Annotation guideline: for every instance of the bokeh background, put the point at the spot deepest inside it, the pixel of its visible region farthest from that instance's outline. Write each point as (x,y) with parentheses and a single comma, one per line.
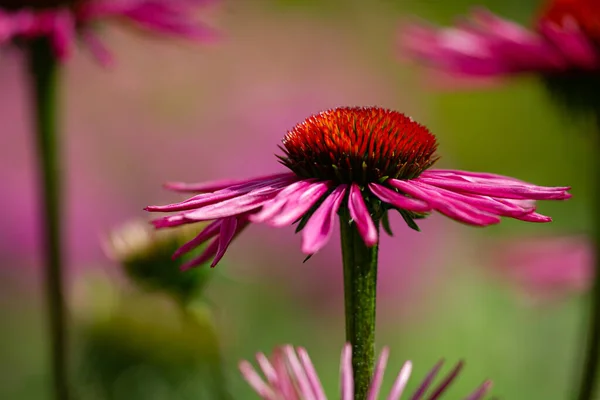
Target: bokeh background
(171,111)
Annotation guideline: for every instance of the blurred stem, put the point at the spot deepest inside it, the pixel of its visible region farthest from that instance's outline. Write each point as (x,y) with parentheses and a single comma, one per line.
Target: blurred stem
(592,347)
(43,70)
(205,323)
(360,289)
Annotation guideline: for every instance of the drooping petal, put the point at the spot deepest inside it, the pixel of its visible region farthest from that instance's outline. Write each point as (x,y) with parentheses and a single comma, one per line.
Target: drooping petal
(298,204)
(361,216)
(204,199)
(207,254)
(226,234)
(398,200)
(513,191)
(319,227)
(205,187)
(210,231)
(449,207)
(271,208)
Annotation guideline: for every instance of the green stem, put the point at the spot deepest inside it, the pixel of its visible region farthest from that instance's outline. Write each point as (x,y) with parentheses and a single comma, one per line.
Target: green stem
(360,289)
(592,347)
(43,71)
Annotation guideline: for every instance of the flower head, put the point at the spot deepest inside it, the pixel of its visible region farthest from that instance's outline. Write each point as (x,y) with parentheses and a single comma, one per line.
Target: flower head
(563,47)
(290,375)
(145,256)
(366,160)
(62,21)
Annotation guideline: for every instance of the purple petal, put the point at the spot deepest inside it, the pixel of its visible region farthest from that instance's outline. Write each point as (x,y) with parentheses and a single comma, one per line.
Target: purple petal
(206,255)
(319,227)
(398,200)
(360,214)
(226,234)
(420,392)
(480,391)
(441,388)
(211,230)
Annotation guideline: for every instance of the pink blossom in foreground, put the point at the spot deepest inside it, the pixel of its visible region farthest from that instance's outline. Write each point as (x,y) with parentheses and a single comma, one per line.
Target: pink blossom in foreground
(290,375)
(566,39)
(546,268)
(363,160)
(63,22)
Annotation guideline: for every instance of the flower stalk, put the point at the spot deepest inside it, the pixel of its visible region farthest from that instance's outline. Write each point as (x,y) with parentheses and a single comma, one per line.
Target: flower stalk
(360,290)
(591,356)
(43,70)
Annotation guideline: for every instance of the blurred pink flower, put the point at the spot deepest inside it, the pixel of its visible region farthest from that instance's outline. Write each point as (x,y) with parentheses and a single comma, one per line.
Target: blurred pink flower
(546,268)
(290,375)
(63,21)
(370,160)
(565,40)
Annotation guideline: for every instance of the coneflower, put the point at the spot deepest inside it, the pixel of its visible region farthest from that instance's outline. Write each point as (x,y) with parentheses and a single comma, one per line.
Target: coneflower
(359,163)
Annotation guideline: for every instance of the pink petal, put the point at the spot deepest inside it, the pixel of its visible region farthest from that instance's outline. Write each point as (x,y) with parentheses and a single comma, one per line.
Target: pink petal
(206,255)
(271,208)
(361,216)
(346,373)
(378,374)
(513,191)
(298,204)
(302,382)
(213,186)
(211,230)
(319,227)
(401,381)
(255,381)
(398,200)
(456,210)
(226,234)
(312,375)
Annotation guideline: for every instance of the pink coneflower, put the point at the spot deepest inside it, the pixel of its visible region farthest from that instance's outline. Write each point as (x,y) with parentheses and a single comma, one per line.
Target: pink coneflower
(565,39)
(63,21)
(546,268)
(563,48)
(365,160)
(290,375)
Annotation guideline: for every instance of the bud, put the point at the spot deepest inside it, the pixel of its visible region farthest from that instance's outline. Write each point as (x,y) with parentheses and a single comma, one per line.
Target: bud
(141,345)
(146,257)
